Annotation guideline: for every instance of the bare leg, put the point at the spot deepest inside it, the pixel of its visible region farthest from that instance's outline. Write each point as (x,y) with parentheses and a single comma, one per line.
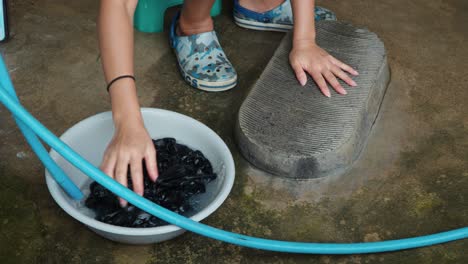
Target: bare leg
(260,6)
(202,61)
(195,17)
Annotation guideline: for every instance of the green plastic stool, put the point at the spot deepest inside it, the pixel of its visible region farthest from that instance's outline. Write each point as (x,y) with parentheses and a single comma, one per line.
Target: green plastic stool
(149,14)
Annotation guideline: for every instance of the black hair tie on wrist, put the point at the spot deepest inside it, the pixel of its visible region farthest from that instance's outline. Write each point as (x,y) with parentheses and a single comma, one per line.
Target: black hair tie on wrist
(118,78)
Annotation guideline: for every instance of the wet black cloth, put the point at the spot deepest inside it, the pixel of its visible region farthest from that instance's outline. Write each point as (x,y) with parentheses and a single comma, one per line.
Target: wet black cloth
(183,172)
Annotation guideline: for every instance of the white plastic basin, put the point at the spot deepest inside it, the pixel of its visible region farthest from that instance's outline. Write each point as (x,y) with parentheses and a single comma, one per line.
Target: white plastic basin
(90,137)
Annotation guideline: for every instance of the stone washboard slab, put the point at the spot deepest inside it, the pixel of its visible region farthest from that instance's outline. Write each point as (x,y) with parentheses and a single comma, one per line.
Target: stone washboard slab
(296,132)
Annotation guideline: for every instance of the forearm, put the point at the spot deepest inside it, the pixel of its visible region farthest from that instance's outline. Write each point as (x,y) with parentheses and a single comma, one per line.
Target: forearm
(115,26)
(304,21)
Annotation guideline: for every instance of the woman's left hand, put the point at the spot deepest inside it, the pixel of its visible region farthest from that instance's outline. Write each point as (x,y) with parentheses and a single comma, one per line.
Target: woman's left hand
(308,57)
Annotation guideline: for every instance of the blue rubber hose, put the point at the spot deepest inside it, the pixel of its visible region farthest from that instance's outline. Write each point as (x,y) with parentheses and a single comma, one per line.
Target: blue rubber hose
(266,244)
(57,173)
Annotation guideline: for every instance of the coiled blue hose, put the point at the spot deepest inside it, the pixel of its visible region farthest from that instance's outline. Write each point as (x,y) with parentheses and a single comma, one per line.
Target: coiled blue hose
(87,168)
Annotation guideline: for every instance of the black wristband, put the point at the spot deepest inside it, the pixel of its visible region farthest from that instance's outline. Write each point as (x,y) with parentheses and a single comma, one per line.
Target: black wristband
(118,78)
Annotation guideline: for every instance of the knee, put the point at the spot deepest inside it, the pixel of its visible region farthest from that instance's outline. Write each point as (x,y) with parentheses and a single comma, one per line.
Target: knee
(130,5)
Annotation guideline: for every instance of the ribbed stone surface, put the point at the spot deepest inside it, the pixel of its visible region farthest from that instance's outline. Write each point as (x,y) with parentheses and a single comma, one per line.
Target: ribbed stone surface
(295,131)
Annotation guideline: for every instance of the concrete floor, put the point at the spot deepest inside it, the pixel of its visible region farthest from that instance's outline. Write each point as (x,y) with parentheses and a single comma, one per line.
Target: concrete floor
(412,178)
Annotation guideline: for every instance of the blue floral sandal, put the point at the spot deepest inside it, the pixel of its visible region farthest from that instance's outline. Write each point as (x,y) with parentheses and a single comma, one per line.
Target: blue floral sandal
(277,19)
(202,61)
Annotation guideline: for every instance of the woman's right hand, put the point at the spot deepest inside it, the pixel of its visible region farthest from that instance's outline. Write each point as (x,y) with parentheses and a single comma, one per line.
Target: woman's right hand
(131,143)
(128,148)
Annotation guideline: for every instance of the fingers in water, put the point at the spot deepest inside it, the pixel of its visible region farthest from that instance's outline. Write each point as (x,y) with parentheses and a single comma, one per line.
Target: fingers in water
(151,165)
(121,176)
(108,165)
(136,169)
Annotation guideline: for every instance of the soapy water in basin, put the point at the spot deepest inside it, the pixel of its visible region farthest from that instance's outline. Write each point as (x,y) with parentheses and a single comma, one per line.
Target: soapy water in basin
(186,184)
(197,202)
